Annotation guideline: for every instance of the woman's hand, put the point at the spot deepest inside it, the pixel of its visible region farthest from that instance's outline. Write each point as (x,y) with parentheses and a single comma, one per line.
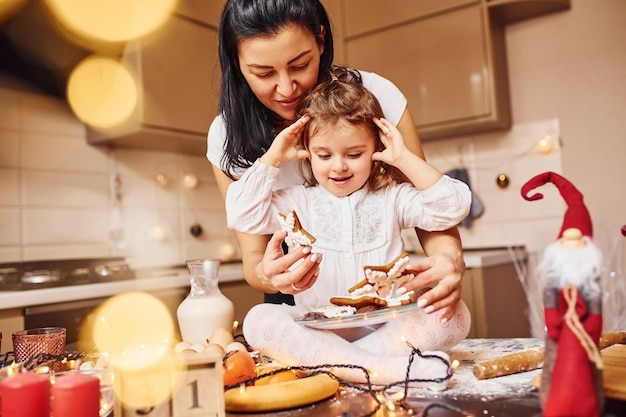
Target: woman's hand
(439,269)
(285,145)
(289,273)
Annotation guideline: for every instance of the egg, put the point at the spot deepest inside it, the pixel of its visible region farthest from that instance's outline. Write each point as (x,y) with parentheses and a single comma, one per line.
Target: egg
(214,347)
(222,337)
(236,346)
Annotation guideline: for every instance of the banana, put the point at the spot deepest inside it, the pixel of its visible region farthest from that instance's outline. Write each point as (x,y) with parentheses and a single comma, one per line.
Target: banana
(280,395)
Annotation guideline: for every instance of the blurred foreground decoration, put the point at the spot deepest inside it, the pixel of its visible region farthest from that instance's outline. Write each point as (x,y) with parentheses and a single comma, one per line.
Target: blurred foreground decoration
(91,23)
(570,271)
(102,92)
(8,8)
(136,333)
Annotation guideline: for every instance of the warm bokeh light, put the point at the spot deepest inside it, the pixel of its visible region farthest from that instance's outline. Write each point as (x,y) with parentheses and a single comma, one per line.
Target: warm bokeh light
(545,145)
(102,92)
(111,20)
(135,331)
(8,8)
(128,323)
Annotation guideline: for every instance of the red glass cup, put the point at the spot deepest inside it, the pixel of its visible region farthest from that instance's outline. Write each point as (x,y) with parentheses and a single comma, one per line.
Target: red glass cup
(30,342)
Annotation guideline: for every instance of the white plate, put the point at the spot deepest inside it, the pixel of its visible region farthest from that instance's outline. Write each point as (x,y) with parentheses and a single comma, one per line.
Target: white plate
(361,319)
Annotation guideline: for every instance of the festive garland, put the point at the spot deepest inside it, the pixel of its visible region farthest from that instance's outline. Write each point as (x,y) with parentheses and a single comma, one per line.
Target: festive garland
(44,359)
(368,387)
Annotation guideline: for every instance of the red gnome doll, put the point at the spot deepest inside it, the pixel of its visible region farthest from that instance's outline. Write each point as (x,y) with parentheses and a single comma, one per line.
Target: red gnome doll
(571,383)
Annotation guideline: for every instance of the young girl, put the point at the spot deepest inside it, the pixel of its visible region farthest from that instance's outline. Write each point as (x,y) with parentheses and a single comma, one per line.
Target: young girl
(355,209)
(271,53)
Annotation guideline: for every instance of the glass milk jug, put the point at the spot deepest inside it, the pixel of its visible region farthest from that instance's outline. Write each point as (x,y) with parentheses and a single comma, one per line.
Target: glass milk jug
(205,308)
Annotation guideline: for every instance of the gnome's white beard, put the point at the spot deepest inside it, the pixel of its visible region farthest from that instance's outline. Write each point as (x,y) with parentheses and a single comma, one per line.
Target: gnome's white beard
(577,266)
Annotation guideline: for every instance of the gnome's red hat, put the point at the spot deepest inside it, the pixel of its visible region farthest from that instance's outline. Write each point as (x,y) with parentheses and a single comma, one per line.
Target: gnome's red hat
(577,215)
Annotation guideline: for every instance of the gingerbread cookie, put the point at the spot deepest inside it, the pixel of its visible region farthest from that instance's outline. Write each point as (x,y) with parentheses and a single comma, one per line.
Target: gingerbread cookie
(359,302)
(296,234)
(378,289)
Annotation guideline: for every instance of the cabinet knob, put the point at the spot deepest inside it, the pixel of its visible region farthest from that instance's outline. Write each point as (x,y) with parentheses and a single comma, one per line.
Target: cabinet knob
(195,230)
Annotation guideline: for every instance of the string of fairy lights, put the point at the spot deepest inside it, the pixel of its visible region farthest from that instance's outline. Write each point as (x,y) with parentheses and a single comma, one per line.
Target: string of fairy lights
(387,396)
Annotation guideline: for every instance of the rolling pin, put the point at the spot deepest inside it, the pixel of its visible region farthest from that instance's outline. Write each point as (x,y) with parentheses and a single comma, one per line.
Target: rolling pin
(531,359)
(513,363)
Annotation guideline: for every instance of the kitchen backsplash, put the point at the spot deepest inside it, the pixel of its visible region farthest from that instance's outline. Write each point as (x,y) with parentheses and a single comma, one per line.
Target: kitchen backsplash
(63,198)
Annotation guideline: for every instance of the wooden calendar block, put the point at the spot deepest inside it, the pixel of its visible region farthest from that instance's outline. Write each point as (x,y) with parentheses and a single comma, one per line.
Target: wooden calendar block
(199,394)
(202,391)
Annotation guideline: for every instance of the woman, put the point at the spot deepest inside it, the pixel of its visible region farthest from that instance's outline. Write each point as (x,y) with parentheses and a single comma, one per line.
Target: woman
(271,53)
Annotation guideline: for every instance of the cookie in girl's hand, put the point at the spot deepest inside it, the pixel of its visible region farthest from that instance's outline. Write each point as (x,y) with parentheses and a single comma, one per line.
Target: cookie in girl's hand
(296,235)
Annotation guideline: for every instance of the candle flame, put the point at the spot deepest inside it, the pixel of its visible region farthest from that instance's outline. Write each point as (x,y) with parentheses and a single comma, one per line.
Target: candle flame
(242,388)
(455,364)
(42,370)
(13,369)
(235,326)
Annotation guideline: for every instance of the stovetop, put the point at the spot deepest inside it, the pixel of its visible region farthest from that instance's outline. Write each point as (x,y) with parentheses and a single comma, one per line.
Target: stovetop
(30,275)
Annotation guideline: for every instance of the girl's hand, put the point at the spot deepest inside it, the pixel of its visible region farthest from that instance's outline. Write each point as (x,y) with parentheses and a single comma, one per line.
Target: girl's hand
(285,145)
(441,270)
(390,136)
(290,273)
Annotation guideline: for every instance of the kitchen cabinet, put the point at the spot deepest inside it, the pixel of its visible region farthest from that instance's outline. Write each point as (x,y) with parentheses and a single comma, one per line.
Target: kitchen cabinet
(176,71)
(447,56)
(450,65)
(11,320)
(363,16)
(497,302)
(243,296)
(493,293)
(512,11)
(207,12)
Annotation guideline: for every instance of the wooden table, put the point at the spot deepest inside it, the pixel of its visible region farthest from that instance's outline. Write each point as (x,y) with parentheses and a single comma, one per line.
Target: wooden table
(506,396)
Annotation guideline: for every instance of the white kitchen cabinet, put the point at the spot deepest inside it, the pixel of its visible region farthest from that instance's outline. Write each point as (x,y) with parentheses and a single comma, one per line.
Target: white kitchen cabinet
(177,74)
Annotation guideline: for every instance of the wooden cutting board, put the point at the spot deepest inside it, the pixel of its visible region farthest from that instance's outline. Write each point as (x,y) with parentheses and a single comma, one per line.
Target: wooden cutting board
(614,373)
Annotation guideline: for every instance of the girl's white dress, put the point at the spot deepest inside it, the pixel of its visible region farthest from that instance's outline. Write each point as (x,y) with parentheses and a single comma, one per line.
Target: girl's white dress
(352,231)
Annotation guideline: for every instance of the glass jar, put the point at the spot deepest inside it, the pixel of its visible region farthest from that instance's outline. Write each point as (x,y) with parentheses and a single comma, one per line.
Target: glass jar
(205,308)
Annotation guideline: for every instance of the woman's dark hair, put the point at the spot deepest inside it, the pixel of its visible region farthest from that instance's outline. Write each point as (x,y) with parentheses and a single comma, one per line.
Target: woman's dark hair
(343,99)
(249,124)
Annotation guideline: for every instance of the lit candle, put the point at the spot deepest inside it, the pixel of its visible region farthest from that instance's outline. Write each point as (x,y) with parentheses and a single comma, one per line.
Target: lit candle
(76,395)
(25,395)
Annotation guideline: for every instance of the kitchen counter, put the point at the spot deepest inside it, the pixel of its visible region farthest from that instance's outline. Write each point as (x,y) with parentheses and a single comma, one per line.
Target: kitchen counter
(482,258)
(176,277)
(146,280)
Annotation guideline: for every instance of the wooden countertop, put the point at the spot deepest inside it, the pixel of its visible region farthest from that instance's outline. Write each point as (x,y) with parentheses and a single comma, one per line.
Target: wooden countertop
(507,396)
